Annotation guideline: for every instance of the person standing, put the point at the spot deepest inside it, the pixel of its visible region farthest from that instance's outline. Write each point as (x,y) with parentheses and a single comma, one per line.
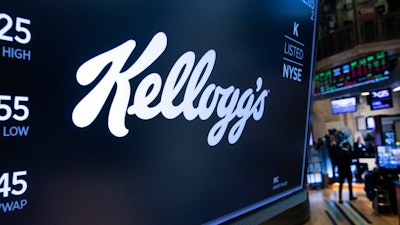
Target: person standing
(333,149)
(360,152)
(344,159)
(359,148)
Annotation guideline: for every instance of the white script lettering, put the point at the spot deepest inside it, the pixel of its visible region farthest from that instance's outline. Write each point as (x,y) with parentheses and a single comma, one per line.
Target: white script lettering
(227,102)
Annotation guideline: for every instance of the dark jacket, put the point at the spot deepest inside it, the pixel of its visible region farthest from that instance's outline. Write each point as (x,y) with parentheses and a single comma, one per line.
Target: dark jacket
(332,151)
(344,159)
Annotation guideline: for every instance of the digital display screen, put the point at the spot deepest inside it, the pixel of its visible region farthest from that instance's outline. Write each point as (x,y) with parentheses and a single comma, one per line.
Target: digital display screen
(370,69)
(388,157)
(381,99)
(370,123)
(152,112)
(344,105)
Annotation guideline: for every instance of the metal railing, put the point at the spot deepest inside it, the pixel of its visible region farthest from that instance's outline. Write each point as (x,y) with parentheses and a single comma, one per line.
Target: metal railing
(382,28)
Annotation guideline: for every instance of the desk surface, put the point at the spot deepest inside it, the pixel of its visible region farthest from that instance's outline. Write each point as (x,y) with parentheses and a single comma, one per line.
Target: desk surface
(370,161)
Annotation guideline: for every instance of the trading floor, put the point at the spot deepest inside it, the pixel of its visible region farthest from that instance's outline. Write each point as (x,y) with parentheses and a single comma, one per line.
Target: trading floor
(325,208)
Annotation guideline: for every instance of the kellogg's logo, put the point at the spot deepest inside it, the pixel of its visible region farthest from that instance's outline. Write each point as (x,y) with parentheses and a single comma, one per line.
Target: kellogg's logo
(228,103)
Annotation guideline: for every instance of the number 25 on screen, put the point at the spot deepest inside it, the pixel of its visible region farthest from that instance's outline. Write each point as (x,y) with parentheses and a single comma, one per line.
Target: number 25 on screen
(19,184)
(23,36)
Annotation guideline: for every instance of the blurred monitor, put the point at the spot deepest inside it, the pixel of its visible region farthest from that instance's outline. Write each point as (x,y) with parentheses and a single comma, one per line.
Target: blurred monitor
(344,105)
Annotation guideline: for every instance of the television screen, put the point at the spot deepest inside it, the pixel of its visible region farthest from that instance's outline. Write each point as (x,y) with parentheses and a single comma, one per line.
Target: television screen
(370,122)
(388,157)
(381,99)
(153,112)
(344,105)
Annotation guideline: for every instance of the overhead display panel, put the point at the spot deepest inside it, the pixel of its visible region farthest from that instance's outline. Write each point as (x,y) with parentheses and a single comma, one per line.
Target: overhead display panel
(370,69)
(152,112)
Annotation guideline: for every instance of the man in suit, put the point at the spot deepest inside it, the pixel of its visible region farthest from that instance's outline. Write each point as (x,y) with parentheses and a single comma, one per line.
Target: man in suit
(344,159)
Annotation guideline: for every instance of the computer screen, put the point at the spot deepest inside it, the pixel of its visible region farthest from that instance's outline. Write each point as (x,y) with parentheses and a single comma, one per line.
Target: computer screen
(388,156)
(153,112)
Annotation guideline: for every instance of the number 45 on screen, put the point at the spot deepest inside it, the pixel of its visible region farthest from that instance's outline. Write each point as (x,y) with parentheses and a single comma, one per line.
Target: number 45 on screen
(19,185)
